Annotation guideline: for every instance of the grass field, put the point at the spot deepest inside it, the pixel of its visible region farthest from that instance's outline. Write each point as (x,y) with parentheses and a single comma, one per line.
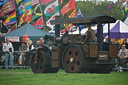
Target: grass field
(26,77)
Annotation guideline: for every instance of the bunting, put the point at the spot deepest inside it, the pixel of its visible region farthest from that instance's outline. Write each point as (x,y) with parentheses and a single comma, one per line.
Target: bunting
(119,3)
(45,1)
(51,9)
(7,7)
(26,5)
(109,7)
(68,7)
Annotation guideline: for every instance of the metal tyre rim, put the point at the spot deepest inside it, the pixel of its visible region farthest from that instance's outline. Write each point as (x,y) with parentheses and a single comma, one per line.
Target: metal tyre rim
(72,60)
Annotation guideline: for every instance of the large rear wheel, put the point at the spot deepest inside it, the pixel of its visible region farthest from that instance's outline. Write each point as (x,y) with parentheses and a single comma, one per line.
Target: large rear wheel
(73,59)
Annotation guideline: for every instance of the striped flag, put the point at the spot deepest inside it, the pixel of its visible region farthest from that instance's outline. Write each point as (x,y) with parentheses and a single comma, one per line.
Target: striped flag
(72,15)
(26,5)
(34,2)
(11,19)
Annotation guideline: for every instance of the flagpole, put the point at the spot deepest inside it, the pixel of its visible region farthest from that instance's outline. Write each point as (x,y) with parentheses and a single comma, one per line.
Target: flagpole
(41,12)
(15,13)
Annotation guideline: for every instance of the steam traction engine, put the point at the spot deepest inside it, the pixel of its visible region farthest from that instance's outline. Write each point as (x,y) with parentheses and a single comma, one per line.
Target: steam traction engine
(70,54)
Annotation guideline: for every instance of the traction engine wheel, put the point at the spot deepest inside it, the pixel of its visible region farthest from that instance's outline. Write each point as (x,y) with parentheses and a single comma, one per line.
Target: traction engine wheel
(73,59)
(43,63)
(39,65)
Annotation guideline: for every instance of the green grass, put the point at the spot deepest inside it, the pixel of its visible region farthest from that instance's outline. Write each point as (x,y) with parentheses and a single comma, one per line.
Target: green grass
(26,77)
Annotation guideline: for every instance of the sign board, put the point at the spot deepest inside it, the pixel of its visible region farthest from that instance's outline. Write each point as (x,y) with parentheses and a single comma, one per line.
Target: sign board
(13,39)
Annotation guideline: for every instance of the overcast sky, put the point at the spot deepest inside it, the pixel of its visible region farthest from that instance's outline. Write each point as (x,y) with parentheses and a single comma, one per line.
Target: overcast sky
(103,0)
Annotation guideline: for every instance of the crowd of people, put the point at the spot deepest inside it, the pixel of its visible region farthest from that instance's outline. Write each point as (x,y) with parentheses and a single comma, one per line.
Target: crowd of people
(22,56)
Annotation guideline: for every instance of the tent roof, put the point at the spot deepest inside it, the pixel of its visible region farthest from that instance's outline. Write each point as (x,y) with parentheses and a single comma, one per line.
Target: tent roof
(120,30)
(126,21)
(29,30)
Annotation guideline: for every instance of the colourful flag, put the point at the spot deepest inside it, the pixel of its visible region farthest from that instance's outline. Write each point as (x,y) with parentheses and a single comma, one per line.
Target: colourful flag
(48,23)
(51,9)
(70,27)
(39,23)
(26,5)
(27,16)
(72,14)
(34,2)
(79,14)
(2,2)
(11,19)
(7,7)
(109,7)
(46,1)
(68,7)
(36,13)
(17,1)
(21,20)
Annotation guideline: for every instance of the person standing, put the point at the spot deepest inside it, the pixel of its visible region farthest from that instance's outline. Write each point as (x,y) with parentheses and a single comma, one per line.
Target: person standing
(8,49)
(100,36)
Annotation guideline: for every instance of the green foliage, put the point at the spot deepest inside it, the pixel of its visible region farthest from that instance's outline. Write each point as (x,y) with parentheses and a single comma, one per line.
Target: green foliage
(92,8)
